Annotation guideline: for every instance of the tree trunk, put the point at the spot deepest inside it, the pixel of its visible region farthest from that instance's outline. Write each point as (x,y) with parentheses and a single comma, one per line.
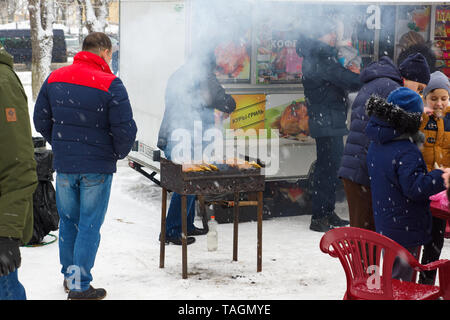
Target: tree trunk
(80,21)
(96,12)
(41,27)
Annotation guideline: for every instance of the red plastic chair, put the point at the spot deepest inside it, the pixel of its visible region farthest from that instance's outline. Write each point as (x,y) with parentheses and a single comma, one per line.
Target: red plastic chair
(367,258)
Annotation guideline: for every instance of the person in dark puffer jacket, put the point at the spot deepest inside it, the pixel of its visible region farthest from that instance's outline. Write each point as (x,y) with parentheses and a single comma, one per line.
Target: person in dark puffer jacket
(84,112)
(399,180)
(379,78)
(325,82)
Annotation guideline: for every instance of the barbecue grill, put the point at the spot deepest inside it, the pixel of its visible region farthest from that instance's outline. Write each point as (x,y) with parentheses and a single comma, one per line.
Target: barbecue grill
(227,179)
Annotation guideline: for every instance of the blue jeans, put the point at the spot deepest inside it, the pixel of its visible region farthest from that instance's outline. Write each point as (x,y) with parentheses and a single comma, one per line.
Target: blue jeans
(325,176)
(173,220)
(82,201)
(11,288)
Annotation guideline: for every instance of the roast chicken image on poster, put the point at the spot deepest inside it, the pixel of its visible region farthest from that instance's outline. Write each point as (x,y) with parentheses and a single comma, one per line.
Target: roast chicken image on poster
(285,112)
(233,60)
(293,121)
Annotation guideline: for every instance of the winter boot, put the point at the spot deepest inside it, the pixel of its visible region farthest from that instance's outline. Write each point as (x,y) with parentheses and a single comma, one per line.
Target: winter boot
(335,221)
(320,224)
(89,294)
(197,232)
(177,240)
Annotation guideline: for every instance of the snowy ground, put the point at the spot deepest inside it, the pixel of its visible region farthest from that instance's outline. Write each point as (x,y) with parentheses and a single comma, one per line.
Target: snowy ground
(127,263)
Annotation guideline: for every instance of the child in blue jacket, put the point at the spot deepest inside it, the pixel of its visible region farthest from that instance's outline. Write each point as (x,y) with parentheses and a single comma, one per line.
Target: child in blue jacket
(400,183)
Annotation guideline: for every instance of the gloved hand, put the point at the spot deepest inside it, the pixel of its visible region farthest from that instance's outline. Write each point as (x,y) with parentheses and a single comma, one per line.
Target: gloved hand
(9,255)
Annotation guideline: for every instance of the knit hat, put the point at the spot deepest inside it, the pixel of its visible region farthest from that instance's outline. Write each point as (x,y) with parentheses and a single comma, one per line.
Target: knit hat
(438,80)
(406,99)
(415,68)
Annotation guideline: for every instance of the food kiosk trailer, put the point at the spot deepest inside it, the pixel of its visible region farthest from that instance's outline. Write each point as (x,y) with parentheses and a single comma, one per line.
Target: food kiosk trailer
(255,46)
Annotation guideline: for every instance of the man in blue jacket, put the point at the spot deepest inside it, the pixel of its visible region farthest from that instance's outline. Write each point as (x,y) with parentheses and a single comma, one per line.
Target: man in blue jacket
(84,112)
(379,78)
(325,82)
(400,182)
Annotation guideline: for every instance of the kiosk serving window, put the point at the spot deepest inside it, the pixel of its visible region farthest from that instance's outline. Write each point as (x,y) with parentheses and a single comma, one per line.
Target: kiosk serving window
(258,41)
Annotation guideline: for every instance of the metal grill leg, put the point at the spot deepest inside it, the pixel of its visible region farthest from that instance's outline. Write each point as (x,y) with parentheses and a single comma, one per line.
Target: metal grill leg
(163,228)
(184,235)
(235,226)
(259,246)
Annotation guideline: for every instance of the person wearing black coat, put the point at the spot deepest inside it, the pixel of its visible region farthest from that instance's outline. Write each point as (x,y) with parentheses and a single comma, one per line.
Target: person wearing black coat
(379,78)
(325,82)
(192,94)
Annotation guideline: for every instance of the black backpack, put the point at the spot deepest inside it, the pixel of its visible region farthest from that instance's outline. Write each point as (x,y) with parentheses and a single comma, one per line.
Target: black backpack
(45,213)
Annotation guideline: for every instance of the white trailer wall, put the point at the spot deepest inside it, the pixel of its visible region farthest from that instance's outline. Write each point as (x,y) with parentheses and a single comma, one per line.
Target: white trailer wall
(152,47)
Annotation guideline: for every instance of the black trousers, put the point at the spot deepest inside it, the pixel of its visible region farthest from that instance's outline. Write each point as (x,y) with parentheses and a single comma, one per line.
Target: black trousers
(432,250)
(329,152)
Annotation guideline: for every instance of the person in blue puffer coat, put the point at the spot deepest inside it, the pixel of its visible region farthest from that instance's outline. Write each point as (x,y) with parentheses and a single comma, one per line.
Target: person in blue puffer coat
(84,112)
(379,78)
(399,181)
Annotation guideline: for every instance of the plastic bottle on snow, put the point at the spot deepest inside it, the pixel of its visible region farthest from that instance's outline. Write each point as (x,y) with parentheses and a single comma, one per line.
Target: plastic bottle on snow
(212,236)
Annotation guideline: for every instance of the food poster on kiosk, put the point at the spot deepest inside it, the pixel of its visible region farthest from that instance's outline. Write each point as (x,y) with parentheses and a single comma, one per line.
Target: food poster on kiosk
(442,38)
(233,59)
(226,30)
(277,60)
(285,113)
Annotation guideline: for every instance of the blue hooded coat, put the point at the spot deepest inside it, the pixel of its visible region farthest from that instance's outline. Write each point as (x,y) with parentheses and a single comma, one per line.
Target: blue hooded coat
(399,181)
(379,78)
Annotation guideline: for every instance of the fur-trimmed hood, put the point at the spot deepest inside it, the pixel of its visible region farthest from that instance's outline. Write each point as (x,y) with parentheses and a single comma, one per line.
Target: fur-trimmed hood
(388,121)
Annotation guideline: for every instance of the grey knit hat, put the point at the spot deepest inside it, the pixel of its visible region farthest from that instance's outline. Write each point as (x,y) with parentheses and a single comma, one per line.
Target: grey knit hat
(438,80)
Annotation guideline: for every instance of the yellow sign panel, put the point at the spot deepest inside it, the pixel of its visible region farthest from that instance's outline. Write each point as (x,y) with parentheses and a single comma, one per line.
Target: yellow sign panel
(249,113)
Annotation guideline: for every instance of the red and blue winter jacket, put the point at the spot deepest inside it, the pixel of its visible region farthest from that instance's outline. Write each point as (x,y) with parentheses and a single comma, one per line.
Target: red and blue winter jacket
(84,112)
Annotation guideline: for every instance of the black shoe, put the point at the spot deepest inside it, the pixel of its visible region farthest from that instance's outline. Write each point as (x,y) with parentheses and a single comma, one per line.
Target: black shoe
(89,294)
(177,240)
(320,224)
(336,221)
(197,232)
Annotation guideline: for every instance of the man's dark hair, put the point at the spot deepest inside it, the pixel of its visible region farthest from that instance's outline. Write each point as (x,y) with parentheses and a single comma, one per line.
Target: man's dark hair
(96,42)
